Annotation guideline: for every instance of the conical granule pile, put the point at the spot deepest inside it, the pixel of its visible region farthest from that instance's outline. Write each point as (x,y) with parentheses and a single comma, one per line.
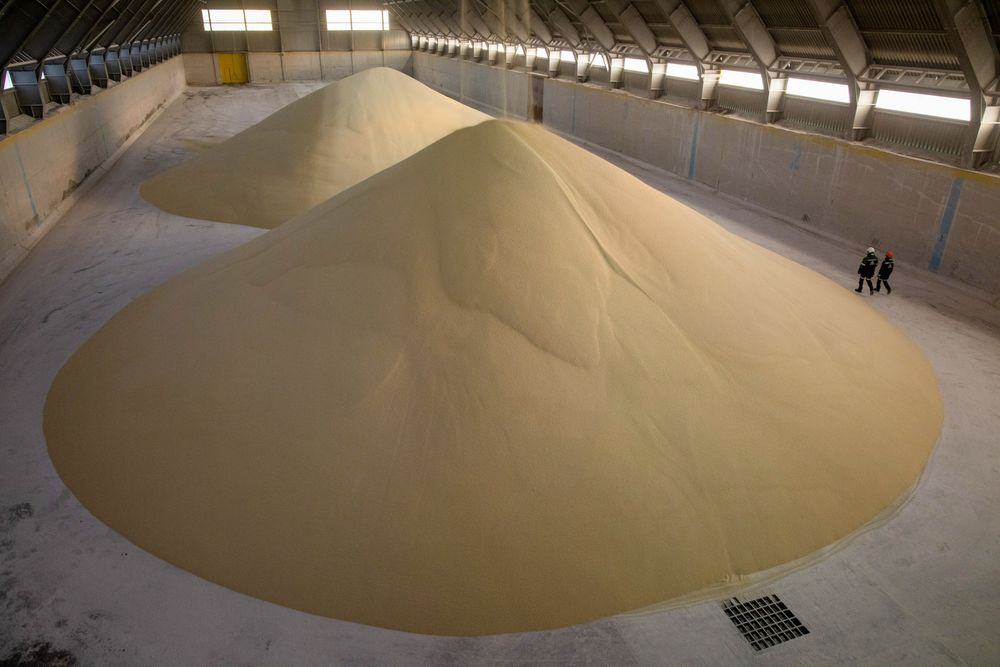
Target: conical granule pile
(500,386)
(310,150)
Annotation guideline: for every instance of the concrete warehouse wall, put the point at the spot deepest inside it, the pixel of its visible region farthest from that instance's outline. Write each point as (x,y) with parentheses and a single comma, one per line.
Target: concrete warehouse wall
(494,90)
(203,68)
(42,165)
(931,215)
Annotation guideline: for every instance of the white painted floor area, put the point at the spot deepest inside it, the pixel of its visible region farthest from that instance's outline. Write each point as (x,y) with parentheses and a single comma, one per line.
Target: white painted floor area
(921,587)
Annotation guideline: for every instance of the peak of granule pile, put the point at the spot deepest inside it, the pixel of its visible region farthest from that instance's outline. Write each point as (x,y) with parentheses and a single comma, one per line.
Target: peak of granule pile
(310,150)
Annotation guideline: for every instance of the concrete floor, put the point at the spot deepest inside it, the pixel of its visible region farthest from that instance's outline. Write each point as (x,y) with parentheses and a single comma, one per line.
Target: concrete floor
(919,587)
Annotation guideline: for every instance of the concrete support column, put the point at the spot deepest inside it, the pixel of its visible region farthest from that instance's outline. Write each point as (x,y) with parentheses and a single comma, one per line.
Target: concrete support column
(124,61)
(863,112)
(79,75)
(987,147)
(112,64)
(616,71)
(510,55)
(529,58)
(775,98)
(554,67)
(491,54)
(98,69)
(657,79)
(28,92)
(58,82)
(583,67)
(477,51)
(709,87)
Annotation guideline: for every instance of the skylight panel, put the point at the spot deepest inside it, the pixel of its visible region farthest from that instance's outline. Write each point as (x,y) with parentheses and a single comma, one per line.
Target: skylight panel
(236,19)
(357,19)
(258,19)
(362,19)
(738,79)
(819,90)
(338,19)
(679,71)
(636,65)
(921,104)
(226,20)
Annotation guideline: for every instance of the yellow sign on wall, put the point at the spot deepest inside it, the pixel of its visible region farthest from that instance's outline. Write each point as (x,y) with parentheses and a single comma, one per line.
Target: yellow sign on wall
(233,67)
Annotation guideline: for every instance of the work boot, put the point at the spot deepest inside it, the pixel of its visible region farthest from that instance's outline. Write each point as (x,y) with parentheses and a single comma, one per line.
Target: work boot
(858,290)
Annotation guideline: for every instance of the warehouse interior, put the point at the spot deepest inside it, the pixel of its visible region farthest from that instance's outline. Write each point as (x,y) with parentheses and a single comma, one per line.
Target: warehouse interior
(812,128)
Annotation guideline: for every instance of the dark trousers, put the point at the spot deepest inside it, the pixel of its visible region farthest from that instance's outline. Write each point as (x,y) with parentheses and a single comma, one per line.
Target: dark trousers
(878,285)
(861,281)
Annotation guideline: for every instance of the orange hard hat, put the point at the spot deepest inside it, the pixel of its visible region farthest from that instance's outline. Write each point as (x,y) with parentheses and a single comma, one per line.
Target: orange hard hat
(888,253)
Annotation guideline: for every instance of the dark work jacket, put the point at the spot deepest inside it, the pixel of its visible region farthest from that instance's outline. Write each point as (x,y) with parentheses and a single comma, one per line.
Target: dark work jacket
(885,270)
(867,268)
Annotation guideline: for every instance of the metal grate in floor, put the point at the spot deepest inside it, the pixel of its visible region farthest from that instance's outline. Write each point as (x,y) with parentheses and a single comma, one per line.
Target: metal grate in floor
(764,621)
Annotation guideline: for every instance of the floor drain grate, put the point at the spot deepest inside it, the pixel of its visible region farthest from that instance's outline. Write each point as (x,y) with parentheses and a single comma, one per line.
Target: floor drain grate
(765,621)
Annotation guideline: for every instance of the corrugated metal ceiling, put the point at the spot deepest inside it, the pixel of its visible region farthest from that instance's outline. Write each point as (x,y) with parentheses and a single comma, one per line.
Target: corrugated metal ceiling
(895,14)
(785,14)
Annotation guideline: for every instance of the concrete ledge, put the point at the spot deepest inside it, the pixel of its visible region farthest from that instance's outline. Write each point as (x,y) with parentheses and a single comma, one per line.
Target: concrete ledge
(46,167)
(932,216)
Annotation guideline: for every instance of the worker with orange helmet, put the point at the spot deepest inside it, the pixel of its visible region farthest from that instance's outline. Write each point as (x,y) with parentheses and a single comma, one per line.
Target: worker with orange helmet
(884,272)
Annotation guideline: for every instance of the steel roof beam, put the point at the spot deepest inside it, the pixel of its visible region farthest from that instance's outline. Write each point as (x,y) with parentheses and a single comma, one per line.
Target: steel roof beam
(594,23)
(633,22)
(81,25)
(164,18)
(190,14)
(634,25)
(514,24)
(538,26)
(842,34)
(491,18)
(108,23)
(85,40)
(135,17)
(21,26)
(684,22)
(696,42)
(438,15)
(421,16)
(753,33)
(969,35)
(407,16)
(140,26)
(558,20)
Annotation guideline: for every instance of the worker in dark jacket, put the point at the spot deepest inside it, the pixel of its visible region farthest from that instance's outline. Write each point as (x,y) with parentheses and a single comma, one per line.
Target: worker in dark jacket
(867,270)
(884,272)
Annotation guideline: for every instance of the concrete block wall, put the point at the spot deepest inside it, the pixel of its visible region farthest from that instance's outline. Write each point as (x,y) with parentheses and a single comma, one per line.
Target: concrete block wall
(494,90)
(932,216)
(270,67)
(42,166)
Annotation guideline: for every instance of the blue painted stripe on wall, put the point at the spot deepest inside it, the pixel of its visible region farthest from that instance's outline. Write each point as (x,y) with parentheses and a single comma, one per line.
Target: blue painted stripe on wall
(24,177)
(946,219)
(694,147)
